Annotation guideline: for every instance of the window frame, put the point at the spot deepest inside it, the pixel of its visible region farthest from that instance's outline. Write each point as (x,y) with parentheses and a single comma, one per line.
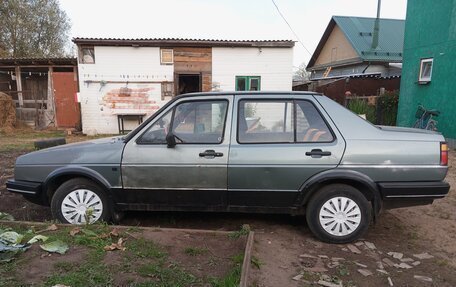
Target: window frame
(294,103)
(161,56)
(173,111)
(81,54)
(247,82)
(421,79)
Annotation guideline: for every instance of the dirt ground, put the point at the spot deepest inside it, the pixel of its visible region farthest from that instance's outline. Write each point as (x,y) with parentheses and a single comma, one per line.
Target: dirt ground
(152,257)
(286,249)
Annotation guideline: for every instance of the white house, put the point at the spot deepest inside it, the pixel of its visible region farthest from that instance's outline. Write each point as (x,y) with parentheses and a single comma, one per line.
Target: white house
(122,81)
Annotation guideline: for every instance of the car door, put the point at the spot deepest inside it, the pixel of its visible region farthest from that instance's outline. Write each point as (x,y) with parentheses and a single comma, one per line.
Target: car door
(193,173)
(277,144)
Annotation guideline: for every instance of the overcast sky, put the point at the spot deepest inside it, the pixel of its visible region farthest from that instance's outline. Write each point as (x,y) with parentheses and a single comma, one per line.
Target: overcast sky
(220,19)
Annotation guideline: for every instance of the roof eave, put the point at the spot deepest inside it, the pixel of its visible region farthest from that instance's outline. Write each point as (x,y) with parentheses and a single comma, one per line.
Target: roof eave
(321,44)
(182,43)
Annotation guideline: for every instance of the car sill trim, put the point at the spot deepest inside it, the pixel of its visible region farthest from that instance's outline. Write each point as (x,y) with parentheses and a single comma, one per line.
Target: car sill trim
(416,196)
(21,191)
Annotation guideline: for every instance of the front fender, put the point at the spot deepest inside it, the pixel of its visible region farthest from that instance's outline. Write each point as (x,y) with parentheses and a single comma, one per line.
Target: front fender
(75,171)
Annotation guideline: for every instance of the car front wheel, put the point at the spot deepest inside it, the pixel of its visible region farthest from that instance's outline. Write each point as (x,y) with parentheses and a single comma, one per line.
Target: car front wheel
(80,201)
(338,213)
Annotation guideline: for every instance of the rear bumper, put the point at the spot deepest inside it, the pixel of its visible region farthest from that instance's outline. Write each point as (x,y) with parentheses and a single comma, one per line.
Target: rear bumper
(403,194)
(24,187)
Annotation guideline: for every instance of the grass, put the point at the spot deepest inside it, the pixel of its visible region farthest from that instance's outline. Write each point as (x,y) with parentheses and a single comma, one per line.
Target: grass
(195,251)
(92,272)
(22,139)
(162,275)
(233,277)
(143,257)
(146,249)
(360,106)
(245,229)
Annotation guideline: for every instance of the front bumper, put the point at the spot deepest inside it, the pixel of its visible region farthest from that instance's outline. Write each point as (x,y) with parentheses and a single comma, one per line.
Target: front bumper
(403,194)
(24,187)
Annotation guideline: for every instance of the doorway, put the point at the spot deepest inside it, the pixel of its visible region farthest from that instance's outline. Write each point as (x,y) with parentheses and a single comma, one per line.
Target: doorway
(188,83)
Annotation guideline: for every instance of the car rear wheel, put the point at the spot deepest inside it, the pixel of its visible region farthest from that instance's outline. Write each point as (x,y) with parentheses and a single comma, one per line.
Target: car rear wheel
(338,213)
(78,201)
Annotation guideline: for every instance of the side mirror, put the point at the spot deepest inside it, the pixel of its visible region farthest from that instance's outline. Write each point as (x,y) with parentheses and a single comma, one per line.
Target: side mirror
(171,140)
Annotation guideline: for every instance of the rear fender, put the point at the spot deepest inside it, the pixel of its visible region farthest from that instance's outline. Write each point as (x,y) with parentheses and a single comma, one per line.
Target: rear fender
(356,179)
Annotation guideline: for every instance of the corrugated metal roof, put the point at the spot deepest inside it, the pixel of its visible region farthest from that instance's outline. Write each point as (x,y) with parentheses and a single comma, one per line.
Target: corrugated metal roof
(183,42)
(38,61)
(359,32)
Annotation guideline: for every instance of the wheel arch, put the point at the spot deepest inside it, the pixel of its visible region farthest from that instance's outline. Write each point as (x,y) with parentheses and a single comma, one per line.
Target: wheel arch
(356,179)
(60,175)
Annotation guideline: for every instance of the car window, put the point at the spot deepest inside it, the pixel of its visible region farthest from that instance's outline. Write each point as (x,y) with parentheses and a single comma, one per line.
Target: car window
(265,122)
(310,126)
(156,134)
(200,121)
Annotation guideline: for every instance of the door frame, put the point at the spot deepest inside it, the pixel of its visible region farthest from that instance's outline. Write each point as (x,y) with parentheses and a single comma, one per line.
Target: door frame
(176,80)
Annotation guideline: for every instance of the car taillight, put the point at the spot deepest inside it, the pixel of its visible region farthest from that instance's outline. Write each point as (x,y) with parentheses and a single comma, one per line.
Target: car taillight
(443,153)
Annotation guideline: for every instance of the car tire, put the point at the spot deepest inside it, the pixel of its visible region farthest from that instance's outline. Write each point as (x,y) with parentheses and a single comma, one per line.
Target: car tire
(338,213)
(79,198)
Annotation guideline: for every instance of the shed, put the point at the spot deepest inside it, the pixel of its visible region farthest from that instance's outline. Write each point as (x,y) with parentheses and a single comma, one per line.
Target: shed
(43,90)
(122,81)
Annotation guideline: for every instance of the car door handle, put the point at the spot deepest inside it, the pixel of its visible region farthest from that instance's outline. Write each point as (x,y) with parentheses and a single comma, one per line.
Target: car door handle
(210,153)
(316,153)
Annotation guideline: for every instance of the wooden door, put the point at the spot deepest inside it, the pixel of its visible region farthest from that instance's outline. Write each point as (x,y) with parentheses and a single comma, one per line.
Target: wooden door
(67,110)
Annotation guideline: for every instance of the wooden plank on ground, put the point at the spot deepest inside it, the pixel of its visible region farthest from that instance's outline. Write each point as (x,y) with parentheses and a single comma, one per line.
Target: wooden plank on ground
(247,259)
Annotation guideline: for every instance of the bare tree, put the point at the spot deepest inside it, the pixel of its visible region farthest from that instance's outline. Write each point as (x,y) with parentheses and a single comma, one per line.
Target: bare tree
(301,72)
(33,28)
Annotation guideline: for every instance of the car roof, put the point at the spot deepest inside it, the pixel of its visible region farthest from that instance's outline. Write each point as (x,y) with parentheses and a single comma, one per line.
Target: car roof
(289,93)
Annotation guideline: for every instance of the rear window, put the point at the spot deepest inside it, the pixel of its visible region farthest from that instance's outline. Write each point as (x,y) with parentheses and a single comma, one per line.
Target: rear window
(281,121)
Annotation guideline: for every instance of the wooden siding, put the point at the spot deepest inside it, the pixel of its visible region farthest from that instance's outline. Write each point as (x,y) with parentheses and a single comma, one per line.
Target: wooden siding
(343,49)
(195,60)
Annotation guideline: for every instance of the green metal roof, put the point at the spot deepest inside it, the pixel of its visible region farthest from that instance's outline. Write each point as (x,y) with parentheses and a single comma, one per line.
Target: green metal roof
(360,32)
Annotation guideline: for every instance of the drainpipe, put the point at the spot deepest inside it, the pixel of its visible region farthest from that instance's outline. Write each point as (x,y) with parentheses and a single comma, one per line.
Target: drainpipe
(376,27)
(368,64)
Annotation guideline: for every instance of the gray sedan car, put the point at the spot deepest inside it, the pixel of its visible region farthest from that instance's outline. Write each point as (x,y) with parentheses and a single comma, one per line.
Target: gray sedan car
(272,152)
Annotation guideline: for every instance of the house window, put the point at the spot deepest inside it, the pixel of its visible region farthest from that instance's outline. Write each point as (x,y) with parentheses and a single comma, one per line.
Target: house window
(248,83)
(425,70)
(86,55)
(167,91)
(166,56)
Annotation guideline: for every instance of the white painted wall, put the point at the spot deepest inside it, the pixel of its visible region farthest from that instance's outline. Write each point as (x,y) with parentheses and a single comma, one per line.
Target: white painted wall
(128,65)
(274,65)
(133,64)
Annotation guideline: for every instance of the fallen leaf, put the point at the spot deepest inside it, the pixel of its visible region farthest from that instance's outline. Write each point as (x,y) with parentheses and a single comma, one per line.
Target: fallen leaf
(116,246)
(37,238)
(75,231)
(114,232)
(104,235)
(57,246)
(51,227)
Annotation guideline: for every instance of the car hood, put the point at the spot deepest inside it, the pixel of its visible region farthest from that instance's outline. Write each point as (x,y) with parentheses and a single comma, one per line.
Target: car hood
(100,151)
